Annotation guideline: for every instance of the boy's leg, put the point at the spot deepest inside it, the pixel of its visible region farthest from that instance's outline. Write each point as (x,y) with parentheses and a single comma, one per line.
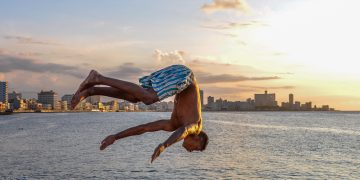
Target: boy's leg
(104,91)
(147,96)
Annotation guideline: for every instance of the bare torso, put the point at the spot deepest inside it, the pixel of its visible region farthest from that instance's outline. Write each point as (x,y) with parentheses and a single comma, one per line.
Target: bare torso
(187,107)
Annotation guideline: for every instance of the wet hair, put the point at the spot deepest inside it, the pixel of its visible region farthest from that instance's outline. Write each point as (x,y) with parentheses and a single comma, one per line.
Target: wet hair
(204,140)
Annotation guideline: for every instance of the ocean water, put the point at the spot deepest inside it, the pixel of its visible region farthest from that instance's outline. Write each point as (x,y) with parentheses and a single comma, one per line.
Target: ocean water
(243,145)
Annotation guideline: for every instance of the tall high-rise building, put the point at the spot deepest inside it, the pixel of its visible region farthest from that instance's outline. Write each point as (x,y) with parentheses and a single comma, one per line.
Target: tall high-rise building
(291,100)
(48,97)
(4,92)
(202,97)
(265,100)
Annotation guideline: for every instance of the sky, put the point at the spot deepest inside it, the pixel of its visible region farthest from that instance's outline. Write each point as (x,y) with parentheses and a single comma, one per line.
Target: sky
(236,48)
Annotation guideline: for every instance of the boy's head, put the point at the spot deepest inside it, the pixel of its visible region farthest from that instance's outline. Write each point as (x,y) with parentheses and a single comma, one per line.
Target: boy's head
(196,142)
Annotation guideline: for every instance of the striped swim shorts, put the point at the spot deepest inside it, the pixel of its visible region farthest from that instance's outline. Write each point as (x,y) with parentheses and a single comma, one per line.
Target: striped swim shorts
(168,81)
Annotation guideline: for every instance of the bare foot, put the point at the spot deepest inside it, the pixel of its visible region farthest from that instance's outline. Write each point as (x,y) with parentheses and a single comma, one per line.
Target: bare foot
(91,80)
(78,97)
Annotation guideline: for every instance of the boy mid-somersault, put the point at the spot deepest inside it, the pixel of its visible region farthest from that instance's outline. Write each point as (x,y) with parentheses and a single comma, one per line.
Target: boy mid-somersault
(178,80)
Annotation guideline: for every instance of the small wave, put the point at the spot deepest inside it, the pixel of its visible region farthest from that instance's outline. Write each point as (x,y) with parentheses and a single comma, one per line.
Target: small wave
(286,128)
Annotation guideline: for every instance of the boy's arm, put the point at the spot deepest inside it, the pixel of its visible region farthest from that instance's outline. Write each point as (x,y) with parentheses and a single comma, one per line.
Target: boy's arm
(178,135)
(137,130)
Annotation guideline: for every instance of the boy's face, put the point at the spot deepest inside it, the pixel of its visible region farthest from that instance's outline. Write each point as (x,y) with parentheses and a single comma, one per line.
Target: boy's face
(192,143)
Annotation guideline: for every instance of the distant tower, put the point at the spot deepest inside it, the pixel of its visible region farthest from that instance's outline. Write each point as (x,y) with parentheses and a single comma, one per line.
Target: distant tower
(4,92)
(291,99)
(202,97)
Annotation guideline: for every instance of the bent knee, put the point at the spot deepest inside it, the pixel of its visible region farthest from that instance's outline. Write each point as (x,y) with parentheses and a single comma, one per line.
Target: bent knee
(150,100)
(149,97)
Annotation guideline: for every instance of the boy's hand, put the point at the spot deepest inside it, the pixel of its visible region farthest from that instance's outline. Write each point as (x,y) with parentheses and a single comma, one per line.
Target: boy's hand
(157,152)
(107,142)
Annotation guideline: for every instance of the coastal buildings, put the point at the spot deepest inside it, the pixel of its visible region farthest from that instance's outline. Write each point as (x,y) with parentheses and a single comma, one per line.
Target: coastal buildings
(225,105)
(4,94)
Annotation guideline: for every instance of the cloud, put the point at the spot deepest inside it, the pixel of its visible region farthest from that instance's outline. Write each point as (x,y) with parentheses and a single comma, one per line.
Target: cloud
(207,78)
(269,87)
(217,5)
(128,71)
(13,63)
(29,40)
(204,65)
(167,58)
(233,25)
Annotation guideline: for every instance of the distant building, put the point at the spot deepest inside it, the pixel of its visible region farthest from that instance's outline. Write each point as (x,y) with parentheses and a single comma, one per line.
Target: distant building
(297,105)
(325,108)
(64,105)
(170,106)
(285,106)
(67,98)
(265,100)
(2,106)
(210,103)
(15,100)
(211,100)
(306,107)
(220,105)
(114,106)
(202,97)
(48,99)
(291,100)
(14,95)
(93,99)
(4,93)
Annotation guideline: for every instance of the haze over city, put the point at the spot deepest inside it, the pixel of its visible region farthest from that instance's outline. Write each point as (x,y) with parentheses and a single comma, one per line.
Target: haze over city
(236,48)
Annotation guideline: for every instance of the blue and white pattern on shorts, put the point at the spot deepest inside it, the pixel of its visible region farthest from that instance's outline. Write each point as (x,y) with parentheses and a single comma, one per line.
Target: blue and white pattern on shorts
(168,81)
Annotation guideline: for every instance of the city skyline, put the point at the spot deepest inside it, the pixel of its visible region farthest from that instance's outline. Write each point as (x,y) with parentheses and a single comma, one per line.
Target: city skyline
(235,47)
(203,97)
(50,100)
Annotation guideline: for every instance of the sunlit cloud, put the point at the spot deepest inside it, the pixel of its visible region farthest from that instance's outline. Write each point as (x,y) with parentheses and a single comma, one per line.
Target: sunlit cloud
(216,5)
(229,78)
(167,58)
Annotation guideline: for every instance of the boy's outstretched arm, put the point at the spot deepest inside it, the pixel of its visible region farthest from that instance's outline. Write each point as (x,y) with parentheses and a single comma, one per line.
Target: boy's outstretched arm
(178,135)
(137,130)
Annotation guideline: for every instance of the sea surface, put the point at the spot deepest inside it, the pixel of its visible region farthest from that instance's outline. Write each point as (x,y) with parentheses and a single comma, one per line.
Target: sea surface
(243,145)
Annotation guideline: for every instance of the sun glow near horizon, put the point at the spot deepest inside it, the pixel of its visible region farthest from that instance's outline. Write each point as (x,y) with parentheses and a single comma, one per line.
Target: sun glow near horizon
(321,35)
